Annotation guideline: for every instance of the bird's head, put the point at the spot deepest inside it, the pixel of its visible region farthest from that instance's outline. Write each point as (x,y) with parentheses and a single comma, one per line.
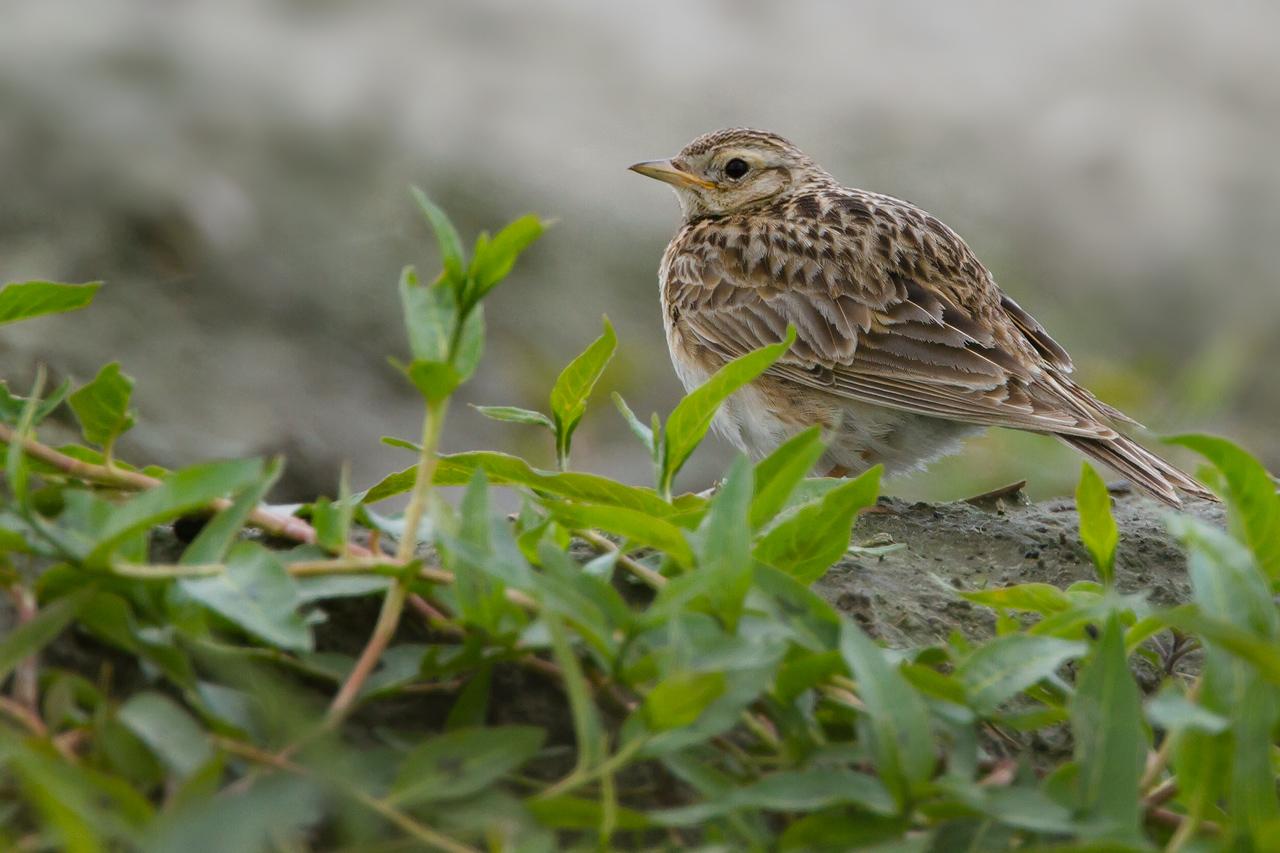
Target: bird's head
(731,170)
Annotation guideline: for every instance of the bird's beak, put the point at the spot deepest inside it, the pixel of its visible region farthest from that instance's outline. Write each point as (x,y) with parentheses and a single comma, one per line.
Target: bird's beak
(668,172)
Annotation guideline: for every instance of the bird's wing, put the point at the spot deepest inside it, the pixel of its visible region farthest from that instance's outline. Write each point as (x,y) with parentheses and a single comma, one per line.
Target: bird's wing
(890,307)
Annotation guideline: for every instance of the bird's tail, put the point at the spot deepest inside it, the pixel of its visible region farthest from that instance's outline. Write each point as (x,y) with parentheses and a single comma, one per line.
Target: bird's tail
(1141,467)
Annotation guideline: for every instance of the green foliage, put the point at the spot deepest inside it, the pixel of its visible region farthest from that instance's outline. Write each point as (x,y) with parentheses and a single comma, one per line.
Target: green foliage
(102,406)
(693,690)
(1098,529)
(22,301)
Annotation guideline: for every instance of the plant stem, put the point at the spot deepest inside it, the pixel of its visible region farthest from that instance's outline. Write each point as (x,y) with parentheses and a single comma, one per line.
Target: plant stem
(286,527)
(603,545)
(393,603)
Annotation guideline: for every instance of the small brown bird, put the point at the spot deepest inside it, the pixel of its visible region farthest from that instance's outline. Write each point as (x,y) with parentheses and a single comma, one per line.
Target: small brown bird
(905,344)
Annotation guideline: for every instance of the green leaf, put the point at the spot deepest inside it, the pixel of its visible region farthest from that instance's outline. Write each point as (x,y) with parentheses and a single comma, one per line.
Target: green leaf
(494,258)
(257,594)
(218,534)
(574,385)
(435,380)
(778,474)
(1040,598)
(24,300)
(1005,666)
(515,415)
(806,541)
(634,525)
(1111,745)
(186,490)
(1253,778)
(566,812)
(680,699)
(642,432)
(50,621)
(504,470)
(430,317)
(102,406)
(692,416)
(896,718)
(1172,711)
(724,545)
(588,730)
(463,762)
(1251,494)
(1097,525)
(451,256)
(11,405)
(168,730)
(789,791)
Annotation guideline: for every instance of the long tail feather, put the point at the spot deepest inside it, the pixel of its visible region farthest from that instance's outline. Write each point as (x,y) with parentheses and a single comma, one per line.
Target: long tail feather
(1141,467)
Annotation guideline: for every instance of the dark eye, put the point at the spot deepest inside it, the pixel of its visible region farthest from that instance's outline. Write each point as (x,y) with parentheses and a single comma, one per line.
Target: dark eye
(736,168)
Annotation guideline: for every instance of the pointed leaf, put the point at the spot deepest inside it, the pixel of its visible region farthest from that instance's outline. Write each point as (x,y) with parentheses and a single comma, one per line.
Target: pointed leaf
(680,699)
(897,720)
(1005,666)
(778,474)
(724,544)
(806,541)
(102,406)
(451,257)
(642,432)
(692,416)
(463,762)
(494,258)
(50,621)
(574,385)
(24,300)
(1097,525)
(163,725)
(218,534)
(1111,745)
(515,415)
(257,594)
(1251,494)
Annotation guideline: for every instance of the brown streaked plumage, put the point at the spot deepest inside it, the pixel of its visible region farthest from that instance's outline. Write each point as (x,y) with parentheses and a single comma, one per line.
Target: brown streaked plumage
(905,342)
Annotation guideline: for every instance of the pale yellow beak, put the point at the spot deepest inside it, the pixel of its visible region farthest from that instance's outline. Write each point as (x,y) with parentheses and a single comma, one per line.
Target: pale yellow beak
(669,173)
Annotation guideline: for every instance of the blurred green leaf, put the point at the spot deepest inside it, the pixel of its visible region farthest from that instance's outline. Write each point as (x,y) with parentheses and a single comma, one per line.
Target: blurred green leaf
(515,415)
(1171,710)
(462,762)
(896,718)
(430,317)
(24,300)
(218,534)
(11,405)
(634,525)
(257,594)
(565,812)
(451,256)
(495,257)
(168,730)
(778,474)
(789,791)
(1251,494)
(1111,746)
(723,544)
(574,385)
(1253,802)
(588,730)
(1032,597)
(470,344)
(692,416)
(806,541)
(1098,529)
(102,406)
(1003,667)
(182,492)
(680,699)
(642,432)
(503,470)
(435,380)
(30,637)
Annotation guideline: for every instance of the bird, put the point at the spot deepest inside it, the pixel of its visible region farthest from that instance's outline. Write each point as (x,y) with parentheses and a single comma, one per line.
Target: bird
(905,345)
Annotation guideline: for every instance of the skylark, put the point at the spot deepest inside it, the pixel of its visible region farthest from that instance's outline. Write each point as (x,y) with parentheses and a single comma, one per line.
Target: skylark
(905,343)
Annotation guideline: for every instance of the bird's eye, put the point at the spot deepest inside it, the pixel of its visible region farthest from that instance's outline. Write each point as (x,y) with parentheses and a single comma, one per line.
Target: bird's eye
(736,168)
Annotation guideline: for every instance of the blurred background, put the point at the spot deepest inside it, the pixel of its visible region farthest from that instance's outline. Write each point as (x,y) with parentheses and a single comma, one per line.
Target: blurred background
(237,171)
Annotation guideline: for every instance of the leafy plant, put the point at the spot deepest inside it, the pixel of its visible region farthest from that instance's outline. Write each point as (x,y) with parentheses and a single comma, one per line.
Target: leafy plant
(695,690)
